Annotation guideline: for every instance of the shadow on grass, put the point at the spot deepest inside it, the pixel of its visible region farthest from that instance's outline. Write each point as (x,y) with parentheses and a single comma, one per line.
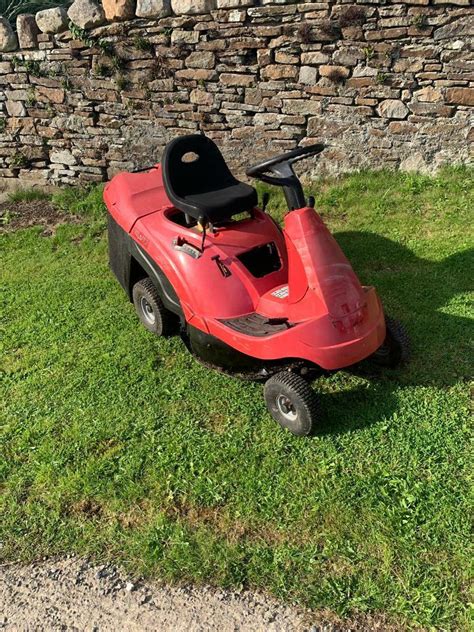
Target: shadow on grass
(421,293)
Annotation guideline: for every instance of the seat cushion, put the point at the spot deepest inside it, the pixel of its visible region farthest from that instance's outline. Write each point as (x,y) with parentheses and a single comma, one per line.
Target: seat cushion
(198,181)
(223,203)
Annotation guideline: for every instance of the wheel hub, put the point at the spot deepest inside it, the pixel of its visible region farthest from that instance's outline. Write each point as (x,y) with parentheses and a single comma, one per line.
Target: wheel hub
(286,408)
(147,311)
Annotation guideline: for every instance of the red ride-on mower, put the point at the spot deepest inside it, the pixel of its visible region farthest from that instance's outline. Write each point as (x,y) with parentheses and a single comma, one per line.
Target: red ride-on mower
(191,248)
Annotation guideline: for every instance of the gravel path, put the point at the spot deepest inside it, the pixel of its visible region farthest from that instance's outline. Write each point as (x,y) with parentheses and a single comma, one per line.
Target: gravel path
(72,594)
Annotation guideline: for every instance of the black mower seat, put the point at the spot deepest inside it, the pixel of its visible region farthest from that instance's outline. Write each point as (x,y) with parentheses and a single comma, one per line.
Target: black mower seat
(197,180)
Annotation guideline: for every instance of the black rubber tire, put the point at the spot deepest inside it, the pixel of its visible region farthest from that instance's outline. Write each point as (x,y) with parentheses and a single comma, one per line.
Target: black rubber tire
(395,349)
(301,398)
(158,320)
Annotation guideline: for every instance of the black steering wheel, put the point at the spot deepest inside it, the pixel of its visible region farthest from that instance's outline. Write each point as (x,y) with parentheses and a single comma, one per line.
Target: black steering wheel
(260,171)
(282,173)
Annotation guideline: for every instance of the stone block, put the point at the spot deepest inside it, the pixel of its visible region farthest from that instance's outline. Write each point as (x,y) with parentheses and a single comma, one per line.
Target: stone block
(328,71)
(62,157)
(386,34)
(153,8)
(15,108)
(414,162)
(393,109)
(86,13)
(301,106)
(462,27)
(460,96)
(236,15)
(431,109)
(354,33)
(54,95)
(233,4)
(201,97)
(308,75)
(8,39)
(428,95)
(116,10)
(364,71)
(402,127)
(200,59)
(234,79)
(283,57)
(27,31)
(184,37)
(314,58)
(280,71)
(196,74)
(347,56)
(191,7)
(52,20)
(264,57)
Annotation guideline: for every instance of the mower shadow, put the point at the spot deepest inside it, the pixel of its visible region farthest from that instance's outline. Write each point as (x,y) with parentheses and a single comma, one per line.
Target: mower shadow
(357,408)
(418,292)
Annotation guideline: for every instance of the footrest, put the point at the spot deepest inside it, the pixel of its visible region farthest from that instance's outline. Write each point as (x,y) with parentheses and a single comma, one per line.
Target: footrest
(257,325)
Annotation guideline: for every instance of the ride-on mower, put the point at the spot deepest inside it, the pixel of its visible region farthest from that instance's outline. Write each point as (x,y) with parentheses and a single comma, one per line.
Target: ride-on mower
(195,254)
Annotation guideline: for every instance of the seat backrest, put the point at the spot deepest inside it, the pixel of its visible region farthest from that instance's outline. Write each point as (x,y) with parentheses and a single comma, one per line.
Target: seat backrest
(193,164)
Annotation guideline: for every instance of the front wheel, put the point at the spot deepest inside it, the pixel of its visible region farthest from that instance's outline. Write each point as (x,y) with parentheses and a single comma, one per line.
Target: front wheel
(395,349)
(150,309)
(292,403)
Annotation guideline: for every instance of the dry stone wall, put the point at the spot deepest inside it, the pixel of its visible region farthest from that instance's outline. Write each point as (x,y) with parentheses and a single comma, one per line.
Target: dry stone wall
(102,88)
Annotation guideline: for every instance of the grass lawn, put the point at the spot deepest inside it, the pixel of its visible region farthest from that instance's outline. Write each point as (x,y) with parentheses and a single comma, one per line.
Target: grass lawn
(120,445)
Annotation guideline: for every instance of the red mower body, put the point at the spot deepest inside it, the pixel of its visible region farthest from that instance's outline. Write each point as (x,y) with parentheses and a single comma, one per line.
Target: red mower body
(266,294)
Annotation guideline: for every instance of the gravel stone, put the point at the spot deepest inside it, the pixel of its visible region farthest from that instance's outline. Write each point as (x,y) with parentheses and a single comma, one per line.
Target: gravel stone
(44,603)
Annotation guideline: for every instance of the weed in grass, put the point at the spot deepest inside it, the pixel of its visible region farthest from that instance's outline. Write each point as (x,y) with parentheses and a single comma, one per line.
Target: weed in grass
(28,195)
(87,203)
(5,216)
(109,452)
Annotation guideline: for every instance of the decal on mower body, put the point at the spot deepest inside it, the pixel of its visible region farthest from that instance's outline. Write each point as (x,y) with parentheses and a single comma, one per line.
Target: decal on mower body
(281,293)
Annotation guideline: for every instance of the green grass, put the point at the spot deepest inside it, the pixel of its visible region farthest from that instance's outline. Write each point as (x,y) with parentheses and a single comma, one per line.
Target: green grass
(27,195)
(119,445)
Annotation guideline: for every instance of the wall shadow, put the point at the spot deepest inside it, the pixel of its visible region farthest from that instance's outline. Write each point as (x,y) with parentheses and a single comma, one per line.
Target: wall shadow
(421,293)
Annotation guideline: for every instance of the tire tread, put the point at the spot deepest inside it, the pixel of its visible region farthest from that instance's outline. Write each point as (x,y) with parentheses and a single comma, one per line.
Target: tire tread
(167,319)
(302,389)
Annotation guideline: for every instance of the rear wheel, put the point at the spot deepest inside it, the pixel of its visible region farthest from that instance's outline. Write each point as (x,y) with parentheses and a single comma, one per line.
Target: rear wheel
(151,310)
(395,349)
(292,403)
